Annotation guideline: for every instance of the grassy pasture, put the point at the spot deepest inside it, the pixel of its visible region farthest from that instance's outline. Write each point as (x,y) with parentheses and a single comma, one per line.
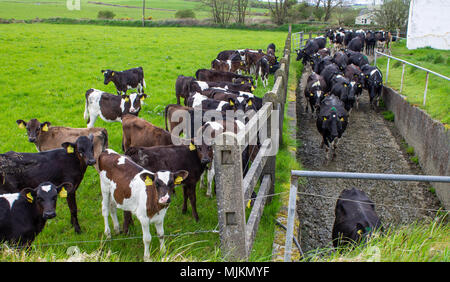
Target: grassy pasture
(438,100)
(45,71)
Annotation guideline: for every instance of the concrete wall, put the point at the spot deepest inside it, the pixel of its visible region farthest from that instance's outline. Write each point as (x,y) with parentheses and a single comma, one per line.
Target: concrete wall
(428,24)
(430,139)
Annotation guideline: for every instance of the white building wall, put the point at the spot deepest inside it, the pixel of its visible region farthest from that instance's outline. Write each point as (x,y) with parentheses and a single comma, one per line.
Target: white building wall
(429,24)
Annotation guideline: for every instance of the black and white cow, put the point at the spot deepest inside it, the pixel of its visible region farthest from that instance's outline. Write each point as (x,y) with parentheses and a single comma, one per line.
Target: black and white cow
(262,70)
(345,90)
(127,79)
(331,122)
(67,164)
(355,218)
(314,91)
(110,107)
(23,214)
(373,83)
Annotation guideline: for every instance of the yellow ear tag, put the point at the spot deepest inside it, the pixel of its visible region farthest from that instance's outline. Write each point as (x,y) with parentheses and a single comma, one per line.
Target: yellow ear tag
(249,103)
(112,74)
(142,98)
(253,88)
(45,127)
(231,103)
(345,85)
(70,149)
(63,193)
(248,204)
(21,125)
(148,181)
(127,99)
(191,147)
(242,82)
(29,197)
(342,119)
(178,180)
(310,94)
(324,118)
(359,232)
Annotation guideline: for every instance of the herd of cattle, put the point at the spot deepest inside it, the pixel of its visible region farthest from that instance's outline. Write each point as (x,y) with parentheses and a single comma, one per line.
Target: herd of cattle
(142,180)
(332,89)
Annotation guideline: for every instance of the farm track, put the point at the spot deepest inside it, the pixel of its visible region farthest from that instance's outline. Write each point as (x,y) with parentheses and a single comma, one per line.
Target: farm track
(370,144)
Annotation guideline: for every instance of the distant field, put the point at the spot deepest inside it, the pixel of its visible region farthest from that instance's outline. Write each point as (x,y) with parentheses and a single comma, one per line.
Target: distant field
(30,9)
(438,98)
(45,71)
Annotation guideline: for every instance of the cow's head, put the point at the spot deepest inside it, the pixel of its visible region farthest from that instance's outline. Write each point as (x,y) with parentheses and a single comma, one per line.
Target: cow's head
(300,54)
(243,80)
(315,94)
(334,122)
(132,103)
(45,195)
(34,128)
(163,182)
(83,148)
(242,103)
(109,75)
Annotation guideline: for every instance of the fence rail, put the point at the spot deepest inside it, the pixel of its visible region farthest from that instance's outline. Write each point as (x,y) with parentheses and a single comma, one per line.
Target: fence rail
(295,174)
(389,57)
(233,191)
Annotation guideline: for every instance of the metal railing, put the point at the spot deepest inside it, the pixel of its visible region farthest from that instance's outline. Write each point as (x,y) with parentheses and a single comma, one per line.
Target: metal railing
(403,72)
(295,174)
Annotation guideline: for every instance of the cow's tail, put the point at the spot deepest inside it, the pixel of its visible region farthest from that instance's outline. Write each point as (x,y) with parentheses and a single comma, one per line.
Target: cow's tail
(143,83)
(165,114)
(105,139)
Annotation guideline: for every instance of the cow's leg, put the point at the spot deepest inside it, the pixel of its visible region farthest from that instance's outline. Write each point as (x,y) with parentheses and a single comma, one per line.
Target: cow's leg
(160,231)
(113,213)
(185,198)
(105,212)
(72,203)
(146,236)
(191,195)
(91,119)
(127,221)
(210,178)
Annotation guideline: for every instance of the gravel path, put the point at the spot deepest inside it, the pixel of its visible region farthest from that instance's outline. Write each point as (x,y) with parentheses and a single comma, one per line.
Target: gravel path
(370,144)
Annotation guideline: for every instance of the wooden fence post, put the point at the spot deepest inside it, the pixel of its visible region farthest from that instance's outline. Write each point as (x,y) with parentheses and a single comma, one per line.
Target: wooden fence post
(230,197)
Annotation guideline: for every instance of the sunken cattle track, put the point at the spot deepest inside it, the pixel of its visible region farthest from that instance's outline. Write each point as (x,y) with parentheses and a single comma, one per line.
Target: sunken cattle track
(370,144)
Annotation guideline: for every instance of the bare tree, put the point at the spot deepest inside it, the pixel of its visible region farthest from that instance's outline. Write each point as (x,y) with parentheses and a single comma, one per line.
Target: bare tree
(241,9)
(393,14)
(329,6)
(279,10)
(221,10)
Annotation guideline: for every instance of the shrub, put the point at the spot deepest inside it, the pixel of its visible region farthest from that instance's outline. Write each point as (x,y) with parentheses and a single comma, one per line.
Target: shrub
(105,14)
(185,14)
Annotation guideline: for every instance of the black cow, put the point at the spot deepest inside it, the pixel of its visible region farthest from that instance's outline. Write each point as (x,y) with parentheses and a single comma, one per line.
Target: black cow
(356,77)
(220,76)
(314,91)
(341,60)
(370,41)
(127,79)
(331,122)
(68,164)
(310,48)
(320,63)
(355,218)
(328,73)
(23,214)
(357,58)
(356,44)
(345,90)
(373,83)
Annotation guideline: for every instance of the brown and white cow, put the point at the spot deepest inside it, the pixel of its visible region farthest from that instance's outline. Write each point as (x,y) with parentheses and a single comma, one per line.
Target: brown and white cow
(130,187)
(47,137)
(110,107)
(139,132)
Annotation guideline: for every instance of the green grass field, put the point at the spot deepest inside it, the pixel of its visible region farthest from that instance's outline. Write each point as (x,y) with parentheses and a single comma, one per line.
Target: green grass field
(45,71)
(438,100)
(163,9)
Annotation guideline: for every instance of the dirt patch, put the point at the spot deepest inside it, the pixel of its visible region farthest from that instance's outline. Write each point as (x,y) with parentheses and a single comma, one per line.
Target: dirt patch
(370,144)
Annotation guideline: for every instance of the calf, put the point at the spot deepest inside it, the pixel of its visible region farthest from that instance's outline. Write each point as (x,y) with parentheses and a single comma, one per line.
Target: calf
(344,90)
(320,64)
(110,107)
(355,218)
(314,90)
(262,70)
(205,103)
(228,65)
(356,44)
(47,137)
(68,164)
(357,58)
(373,83)
(331,122)
(127,79)
(219,76)
(183,87)
(130,187)
(24,214)
(139,132)
(173,158)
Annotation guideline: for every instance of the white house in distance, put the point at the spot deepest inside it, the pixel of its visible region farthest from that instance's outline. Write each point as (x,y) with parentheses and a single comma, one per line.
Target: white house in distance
(366,16)
(429,24)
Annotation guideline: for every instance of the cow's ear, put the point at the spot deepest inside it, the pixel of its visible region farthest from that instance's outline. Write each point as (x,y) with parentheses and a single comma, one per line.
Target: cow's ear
(142,96)
(21,123)
(70,147)
(91,137)
(45,125)
(231,101)
(125,97)
(103,71)
(192,146)
(113,73)
(179,176)
(250,102)
(148,178)
(29,194)
(64,188)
